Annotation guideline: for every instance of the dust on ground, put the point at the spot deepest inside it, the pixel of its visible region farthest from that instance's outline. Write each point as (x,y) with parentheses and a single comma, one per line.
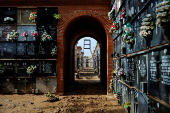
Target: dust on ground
(86,95)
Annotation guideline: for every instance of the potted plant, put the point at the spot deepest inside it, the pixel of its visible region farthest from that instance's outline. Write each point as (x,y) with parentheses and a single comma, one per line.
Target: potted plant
(51,97)
(128,106)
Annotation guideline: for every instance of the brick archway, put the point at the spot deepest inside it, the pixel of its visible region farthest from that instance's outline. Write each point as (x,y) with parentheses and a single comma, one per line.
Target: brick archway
(63,39)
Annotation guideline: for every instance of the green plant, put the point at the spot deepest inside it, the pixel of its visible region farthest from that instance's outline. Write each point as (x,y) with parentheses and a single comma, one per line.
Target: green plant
(54,51)
(30,69)
(127,105)
(1,69)
(49,95)
(57,16)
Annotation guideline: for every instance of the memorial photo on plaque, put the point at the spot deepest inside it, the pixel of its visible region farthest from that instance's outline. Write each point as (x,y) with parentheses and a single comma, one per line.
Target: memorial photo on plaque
(9,15)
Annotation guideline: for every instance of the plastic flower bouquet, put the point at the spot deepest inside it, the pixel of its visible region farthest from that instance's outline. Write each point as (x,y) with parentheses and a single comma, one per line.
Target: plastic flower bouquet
(12,36)
(129,34)
(45,36)
(112,12)
(114,27)
(33,16)
(123,15)
(25,34)
(30,69)
(163,11)
(57,16)
(1,69)
(127,105)
(35,33)
(119,71)
(147,27)
(54,51)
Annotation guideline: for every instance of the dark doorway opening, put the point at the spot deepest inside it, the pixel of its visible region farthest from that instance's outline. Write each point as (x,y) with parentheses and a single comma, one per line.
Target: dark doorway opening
(85,26)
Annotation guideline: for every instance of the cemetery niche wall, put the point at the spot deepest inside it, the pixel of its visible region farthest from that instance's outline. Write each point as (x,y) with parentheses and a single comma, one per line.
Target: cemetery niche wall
(141,48)
(28,50)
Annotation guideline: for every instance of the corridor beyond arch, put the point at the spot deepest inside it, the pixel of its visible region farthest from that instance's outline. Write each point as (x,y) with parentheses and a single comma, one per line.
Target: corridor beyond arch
(79,27)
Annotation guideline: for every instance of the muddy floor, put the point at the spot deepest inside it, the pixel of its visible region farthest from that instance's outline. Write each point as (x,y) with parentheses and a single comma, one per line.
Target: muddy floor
(87,95)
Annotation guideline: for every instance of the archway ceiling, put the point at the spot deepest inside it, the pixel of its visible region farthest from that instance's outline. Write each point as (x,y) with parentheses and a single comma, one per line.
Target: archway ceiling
(85,26)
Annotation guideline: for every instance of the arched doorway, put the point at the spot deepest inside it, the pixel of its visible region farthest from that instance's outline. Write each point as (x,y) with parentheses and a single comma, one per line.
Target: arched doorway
(81,27)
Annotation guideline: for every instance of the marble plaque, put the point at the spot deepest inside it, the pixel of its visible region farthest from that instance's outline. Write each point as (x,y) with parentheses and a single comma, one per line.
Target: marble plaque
(23,15)
(5,29)
(29,29)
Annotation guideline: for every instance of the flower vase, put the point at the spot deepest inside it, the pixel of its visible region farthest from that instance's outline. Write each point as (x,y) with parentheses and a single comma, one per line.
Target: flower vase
(128,109)
(25,39)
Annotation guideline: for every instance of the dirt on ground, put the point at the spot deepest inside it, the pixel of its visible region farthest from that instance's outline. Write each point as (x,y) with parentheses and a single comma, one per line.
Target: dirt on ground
(87,95)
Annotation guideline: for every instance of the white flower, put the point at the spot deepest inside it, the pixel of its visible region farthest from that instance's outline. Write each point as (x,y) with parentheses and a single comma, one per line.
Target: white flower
(149,15)
(145,19)
(127,29)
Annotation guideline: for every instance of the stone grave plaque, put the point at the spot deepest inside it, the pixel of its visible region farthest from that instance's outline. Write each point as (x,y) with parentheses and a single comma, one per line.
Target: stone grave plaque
(165,69)
(40,31)
(23,15)
(31,49)
(7,50)
(29,29)
(22,68)
(124,97)
(44,50)
(165,75)
(9,15)
(46,84)
(131,68)
(21,49)
(52,30)
(142,61)
(7,85)
(41,49)
(153,69)
(143,68)
(26,50)
(50,47)
(5,29)
(47,68)
(25,85)
(9,68)
(45,15)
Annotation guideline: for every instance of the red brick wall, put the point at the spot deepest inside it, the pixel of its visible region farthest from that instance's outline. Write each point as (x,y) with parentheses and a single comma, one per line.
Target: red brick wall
(68,14)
